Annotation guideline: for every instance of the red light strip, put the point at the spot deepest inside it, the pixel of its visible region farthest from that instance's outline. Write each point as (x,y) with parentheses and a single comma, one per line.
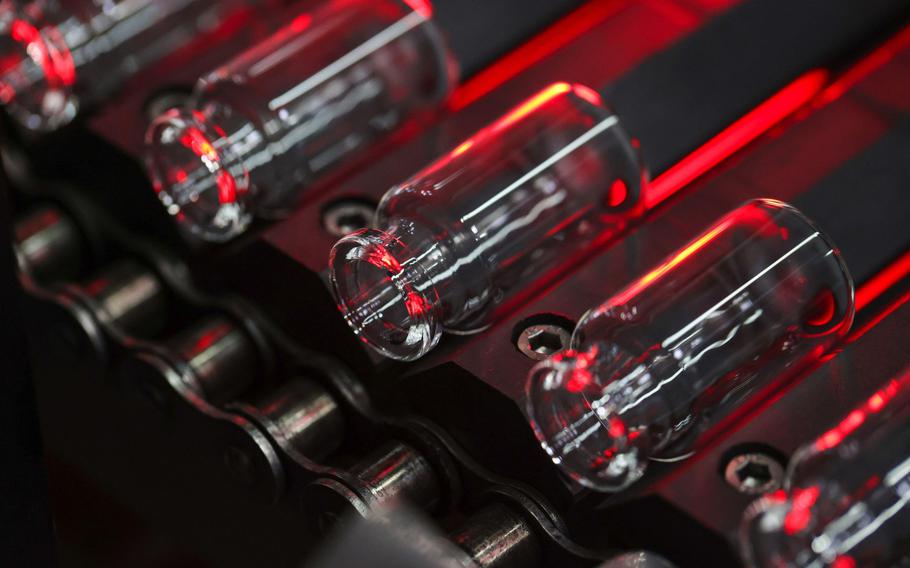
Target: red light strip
(749,127)
(810,87)
(879,283)
(866,66)
(528,54)
(859,332)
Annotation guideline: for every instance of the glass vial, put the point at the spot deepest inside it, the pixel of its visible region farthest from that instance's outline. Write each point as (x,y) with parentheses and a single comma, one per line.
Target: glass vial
(662,360)
(286,113)
(846,501)
(58,55)
(458,241)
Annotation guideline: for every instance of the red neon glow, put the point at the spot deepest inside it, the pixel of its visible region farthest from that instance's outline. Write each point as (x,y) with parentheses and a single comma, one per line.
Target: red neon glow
(878,284)
(422,7)
(800,513)
(749,127)
(875,403)
(530,53)
(630,292)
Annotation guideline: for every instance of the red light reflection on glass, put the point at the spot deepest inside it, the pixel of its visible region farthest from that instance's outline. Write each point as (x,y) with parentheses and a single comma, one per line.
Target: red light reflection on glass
(618,193)
(196,141)
(301,22)
(381,258)
(587,93)
(844,562)
(800,513)
(57,65)
(630,292)
(822,310)
(531,105)
(422,7)
(749,127)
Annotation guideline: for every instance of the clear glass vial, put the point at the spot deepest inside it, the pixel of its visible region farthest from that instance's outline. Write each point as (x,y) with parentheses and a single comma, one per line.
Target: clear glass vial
(58,55)
(274,120)
(662,360)
(459,240)
(846,501)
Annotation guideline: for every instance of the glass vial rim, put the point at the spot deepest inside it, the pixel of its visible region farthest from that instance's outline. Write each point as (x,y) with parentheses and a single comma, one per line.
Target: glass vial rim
(198,134)
(48,50)
(415,295)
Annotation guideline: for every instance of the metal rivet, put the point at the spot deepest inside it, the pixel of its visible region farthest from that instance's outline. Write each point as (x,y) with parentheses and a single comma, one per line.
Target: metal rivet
(754,473)
(344,217)
(542,340)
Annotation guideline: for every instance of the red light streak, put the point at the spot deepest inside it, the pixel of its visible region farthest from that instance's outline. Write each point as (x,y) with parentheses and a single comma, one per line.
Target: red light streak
(531,105)
(749,127)
(866,66)
(587,93)
(859,332)
(533,51)
(878,284)
(680,257)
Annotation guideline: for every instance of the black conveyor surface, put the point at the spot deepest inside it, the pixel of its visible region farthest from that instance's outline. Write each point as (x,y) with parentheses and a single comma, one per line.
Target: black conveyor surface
(481,31)
(679,98)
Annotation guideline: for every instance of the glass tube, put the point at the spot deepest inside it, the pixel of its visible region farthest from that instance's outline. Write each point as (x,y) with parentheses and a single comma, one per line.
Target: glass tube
(291,110)
(458,241)
(58,55)
(661,361)
(846,501)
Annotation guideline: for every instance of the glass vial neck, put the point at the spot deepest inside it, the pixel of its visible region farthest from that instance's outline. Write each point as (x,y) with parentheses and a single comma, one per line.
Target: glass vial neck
(385,283)
(580,406)
(37,72)
(197,167)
